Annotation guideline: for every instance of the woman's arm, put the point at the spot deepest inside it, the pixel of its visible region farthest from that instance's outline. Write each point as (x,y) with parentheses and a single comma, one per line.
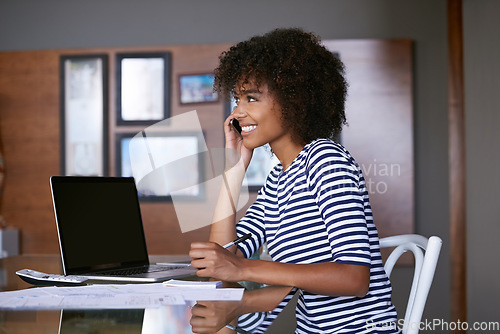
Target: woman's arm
(223,229)
(263,299)
(331,279)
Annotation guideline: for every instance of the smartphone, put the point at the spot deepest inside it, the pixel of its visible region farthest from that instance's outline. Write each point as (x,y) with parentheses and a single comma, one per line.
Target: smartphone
(236,125)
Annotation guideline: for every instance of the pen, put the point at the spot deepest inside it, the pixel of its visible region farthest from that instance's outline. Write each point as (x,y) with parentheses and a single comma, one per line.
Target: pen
(237,241)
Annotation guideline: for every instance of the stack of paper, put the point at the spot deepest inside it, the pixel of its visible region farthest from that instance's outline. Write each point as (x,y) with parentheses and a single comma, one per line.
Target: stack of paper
(120,296)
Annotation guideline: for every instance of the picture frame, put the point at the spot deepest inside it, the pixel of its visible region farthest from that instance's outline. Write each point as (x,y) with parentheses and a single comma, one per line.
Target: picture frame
(186,146)
(84,114)
(263,161)
(197,88)
(142,87)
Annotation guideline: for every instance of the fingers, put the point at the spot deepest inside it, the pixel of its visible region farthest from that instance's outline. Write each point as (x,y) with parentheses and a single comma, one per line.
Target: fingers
(227,122)
(230,132)
(212,260)
(203,255)
(207,245)
(200,250)
(211,316)
(203,318)
(203,308)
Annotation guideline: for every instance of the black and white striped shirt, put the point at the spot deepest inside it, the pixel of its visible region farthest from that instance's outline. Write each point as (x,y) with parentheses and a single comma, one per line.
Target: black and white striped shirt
(316,211)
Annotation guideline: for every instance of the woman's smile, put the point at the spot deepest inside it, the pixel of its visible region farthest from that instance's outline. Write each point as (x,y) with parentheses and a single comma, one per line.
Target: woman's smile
(260,118)
(247,129)
(258,114)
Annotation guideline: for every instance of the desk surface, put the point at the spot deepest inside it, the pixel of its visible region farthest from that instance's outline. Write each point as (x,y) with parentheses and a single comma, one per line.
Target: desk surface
(169,319)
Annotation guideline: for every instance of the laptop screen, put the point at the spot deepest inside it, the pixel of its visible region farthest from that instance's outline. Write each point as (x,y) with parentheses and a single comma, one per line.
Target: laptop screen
(99,223)
(129,321)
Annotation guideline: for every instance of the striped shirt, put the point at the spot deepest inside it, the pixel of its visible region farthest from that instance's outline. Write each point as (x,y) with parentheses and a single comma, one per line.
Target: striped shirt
(318,210)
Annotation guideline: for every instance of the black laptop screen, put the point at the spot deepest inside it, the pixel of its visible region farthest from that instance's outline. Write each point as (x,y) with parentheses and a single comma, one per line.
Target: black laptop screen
(99,222)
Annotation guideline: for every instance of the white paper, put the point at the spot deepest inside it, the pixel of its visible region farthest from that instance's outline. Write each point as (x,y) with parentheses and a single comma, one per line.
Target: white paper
(119,296)
(193,284)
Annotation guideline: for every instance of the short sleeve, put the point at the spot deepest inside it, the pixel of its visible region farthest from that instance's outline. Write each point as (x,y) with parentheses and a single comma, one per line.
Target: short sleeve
(334,179)
(252,222)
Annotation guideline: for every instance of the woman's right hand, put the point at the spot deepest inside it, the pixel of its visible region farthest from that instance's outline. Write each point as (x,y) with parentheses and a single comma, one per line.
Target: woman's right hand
(234,143)
(213,316)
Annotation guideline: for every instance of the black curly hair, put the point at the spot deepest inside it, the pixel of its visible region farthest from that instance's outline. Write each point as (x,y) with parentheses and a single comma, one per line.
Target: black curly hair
(304,77)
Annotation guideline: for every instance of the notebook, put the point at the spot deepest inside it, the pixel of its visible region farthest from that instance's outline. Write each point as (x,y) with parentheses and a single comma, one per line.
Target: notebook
(100,231)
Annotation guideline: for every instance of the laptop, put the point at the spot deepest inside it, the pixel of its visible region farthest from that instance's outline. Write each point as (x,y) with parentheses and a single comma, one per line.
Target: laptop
(101,321)
(100,231)
(165,319)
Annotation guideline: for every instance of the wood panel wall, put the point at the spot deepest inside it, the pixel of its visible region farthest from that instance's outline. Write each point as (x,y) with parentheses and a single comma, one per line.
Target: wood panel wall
(379,133)
(29,131)
(457,163)
(29,107)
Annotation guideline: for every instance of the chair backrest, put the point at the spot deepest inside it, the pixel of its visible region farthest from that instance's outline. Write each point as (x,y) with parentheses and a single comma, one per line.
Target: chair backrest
(426,253)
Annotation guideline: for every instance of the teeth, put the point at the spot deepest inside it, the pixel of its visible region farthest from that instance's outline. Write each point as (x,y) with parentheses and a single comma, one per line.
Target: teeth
(249,128)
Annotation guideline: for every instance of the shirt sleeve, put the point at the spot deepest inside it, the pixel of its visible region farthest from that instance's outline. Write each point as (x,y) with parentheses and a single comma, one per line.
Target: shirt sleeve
(252,222)
(336,182)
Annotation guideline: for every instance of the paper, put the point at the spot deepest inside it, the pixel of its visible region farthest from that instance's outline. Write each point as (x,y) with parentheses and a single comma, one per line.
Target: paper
(193,284)
(120,296)
(212,294)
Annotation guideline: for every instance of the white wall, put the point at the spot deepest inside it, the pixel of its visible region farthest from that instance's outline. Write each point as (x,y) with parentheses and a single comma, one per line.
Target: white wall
(49,24)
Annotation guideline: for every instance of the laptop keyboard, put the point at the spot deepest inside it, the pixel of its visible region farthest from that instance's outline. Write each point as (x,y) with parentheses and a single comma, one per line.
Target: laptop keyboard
(137,271)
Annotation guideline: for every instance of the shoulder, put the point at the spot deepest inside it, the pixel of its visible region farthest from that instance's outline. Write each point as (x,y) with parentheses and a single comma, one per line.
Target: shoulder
(328,159)
(326,150)
(271,181)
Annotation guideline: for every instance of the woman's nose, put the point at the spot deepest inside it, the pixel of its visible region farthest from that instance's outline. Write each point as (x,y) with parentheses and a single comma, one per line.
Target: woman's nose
(238,112)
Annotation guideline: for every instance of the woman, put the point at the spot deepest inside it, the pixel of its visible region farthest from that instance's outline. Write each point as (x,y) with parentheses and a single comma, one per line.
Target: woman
(313,211)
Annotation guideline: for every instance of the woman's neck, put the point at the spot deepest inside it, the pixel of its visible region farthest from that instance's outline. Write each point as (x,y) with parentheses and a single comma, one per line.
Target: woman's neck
(286,151)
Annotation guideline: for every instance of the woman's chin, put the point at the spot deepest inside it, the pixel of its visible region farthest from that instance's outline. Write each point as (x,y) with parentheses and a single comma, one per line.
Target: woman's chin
(250,145)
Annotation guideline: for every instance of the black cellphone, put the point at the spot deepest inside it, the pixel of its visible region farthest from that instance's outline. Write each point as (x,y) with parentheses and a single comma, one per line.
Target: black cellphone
(236,125)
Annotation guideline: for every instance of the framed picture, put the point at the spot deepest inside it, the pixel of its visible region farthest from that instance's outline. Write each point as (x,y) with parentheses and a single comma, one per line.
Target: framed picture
(84,115)
(171,162)
(142,87)
(197,88)
(263,160)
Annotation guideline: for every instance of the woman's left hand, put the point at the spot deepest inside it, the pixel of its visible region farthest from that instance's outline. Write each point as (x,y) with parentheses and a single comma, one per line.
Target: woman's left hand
(214,261)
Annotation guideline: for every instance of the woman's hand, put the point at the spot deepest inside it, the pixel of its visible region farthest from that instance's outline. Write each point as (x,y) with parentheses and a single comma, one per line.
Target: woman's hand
(213,261)
(234,143)
(212,316)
